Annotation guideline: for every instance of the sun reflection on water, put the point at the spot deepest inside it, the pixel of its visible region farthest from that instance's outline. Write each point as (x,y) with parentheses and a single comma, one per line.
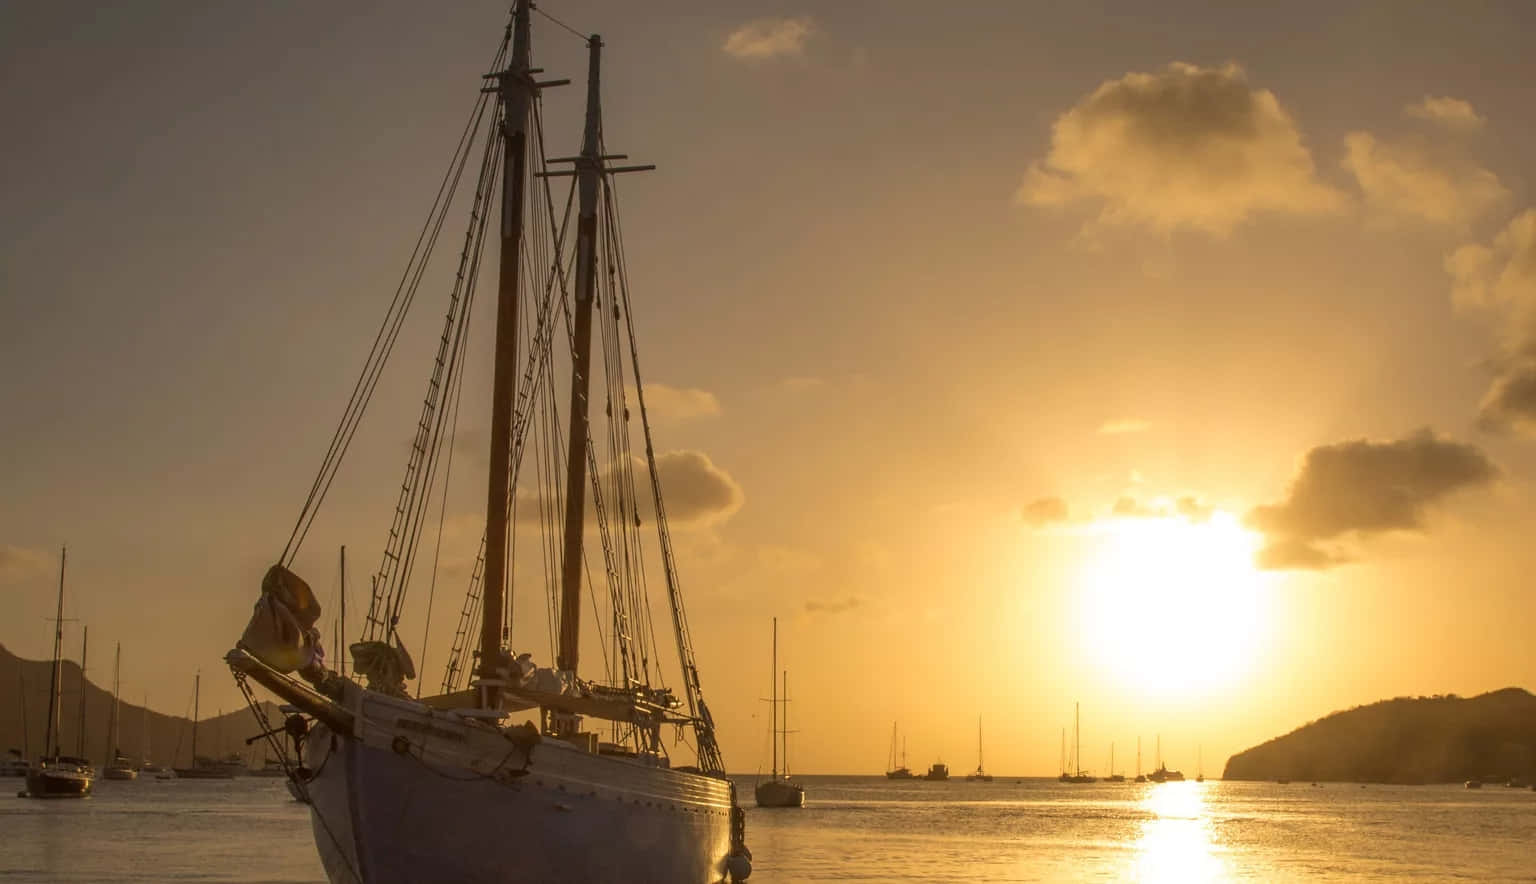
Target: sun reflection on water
(1177,836)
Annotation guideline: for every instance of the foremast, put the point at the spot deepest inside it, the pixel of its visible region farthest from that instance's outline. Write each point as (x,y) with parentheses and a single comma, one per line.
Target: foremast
(515,88)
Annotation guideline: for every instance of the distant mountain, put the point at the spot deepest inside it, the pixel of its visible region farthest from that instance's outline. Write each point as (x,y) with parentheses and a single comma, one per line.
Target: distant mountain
(169,737)
(1441,739)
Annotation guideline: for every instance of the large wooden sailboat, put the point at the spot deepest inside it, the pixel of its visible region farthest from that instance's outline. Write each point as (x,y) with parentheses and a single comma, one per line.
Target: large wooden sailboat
(451,787)
(777,790)
(57,775)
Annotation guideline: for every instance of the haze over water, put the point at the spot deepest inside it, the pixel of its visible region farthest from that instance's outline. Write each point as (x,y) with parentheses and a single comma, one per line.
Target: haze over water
(867,829)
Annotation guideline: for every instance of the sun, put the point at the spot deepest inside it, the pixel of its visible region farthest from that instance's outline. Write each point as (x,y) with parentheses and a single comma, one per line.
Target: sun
(1170,606)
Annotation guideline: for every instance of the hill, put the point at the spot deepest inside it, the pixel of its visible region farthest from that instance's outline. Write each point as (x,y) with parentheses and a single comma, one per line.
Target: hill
(168,737)
(1406,740)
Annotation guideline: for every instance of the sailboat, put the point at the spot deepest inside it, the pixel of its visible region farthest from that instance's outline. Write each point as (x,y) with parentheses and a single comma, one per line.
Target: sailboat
(17,765)
(1199,765)
(1163,774)
(1077,775)
(56,775)
(1140,777)
(451,786)
(1113,777)
(980,775)
(202,768)
(119,766)
(777,791)
(894,771)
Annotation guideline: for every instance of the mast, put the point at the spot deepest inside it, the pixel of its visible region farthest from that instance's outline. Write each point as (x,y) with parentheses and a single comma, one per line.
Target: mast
(85,642)
(144,729)
(978,744)
(26,736)
(1077,739)
(1138,756)
(892,763)
(341,619)
(197,691)
(589,169)
(515,88)
(55,686)
(786,724)
(773,704)
(115,725)
(1111,759)
(1063,750)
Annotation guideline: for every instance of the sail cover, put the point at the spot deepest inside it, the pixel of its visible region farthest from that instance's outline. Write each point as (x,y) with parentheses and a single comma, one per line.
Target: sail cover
(282,631)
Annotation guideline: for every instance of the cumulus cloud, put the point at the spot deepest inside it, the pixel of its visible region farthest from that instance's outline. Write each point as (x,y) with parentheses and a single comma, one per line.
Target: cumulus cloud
(1124,425)
(1452,113)
(1189,508)
(695,492)
(1500,279)
(1415,179)
(19,563)
(770,38)
(1193,509)
(1044,511)
(833,606)
(1360,488)
(677,403)
(1128,507)
(1186,147)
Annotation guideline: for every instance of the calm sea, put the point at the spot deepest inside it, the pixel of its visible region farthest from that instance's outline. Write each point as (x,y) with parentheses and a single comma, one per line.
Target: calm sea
(866,829)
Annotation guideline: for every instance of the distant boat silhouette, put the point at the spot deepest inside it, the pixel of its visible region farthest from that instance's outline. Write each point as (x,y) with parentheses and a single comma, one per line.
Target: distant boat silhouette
(57,775)
(1140,777)
(893,770)
(1113,777)
(1199,766)
(980,776)
(1163,774)
(1077,776)
(778,791)
(1474,784)
(937,771)
(202,768)
(119,766)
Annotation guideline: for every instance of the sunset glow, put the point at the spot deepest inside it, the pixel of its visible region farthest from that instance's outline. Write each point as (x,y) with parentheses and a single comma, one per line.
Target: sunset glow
(1172,606)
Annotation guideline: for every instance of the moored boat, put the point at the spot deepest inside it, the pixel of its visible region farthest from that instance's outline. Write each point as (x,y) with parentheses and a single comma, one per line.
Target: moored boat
(56,775)
(893,770)
(778,791)
(456,786)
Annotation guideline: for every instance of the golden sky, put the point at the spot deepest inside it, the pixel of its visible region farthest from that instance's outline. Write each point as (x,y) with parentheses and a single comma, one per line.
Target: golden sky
(1178,362)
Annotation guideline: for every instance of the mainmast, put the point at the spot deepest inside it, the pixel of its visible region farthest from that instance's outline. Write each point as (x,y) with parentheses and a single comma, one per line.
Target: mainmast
(85,643)
(773,688)
(55,688)
(197,694)
(589,170)
(515,87)
(116,727)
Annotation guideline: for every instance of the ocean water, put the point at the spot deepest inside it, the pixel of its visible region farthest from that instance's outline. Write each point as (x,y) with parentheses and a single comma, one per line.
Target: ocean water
(870,830)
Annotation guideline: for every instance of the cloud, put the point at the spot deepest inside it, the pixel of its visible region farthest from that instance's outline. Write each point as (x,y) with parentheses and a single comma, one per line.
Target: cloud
(1360,488)
(1500,278)
(1193,510)
(833,606)
(1044,511)
(770,37)
(1412,178)
(1130,508)
(695,492)
(1124,425)
(1452,113)
(19,564)
(1289,554)
(677,403)
(1186,147)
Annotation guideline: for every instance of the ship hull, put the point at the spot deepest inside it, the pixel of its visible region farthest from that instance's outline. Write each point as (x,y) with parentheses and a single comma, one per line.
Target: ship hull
(50,783)
(415,796)
(780,793)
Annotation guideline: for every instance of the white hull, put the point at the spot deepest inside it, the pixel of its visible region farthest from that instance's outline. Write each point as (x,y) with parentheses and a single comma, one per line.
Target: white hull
(417,795)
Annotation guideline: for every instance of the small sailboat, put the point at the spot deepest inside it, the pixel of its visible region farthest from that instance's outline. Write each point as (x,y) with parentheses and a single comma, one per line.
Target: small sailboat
(1199,765)
(980,775)
(1078,775)
(1140,777)
(119,766)
(56,775)
(894,771)
(202,768)
(1113,777)
(515,772)
(1163,774)
(778,791)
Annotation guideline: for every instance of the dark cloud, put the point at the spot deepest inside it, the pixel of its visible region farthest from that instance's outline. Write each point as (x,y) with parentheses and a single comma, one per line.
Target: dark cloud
(1500,279)
(1185,147)
(1510,403)
(1359,488)
(1044,511)
(835,606)
(1289,554)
